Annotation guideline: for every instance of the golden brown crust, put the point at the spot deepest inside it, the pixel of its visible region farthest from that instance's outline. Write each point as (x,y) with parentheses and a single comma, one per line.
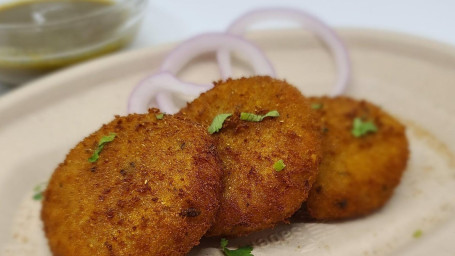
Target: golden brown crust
(153,191)
(256,196)
(357,175)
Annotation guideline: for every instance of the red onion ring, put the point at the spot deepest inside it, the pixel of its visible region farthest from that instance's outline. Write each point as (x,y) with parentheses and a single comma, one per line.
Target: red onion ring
(154,90)
(212,42)
(306,20)
(157,90)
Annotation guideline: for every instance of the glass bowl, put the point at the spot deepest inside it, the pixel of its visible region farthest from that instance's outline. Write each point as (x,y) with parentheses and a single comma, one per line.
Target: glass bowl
(58,33)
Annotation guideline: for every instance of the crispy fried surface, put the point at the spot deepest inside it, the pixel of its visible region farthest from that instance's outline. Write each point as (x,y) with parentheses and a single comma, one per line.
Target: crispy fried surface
(357,175)
(153,191)
(256,196)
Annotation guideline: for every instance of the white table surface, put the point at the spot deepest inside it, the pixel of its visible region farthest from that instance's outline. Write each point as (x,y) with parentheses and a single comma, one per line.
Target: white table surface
(174,20)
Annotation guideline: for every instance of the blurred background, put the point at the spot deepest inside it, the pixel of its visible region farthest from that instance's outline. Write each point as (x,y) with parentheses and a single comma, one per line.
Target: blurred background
(167,21)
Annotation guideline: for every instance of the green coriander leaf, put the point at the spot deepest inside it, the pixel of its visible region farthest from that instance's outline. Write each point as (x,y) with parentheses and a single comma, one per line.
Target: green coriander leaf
(38,196)
(224,242)
(38,189)
(361,128)
(40,186)
(279,165)
(101,143)
(316,106)
(418,233)
(250,117)
(272,113)
(159,116)
(242,251)
(106,139)
(217,123)
(96,154)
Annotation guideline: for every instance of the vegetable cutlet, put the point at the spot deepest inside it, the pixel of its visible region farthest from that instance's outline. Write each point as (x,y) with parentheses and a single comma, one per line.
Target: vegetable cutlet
(140,185)
(365,151)
(269,161)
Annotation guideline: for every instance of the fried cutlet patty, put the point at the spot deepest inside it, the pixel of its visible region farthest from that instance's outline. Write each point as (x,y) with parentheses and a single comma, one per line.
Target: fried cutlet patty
(153,191)
(357,174)
(257,196)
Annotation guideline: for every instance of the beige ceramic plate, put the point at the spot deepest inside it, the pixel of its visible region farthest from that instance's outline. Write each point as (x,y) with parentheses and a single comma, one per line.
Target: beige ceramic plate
(411,77)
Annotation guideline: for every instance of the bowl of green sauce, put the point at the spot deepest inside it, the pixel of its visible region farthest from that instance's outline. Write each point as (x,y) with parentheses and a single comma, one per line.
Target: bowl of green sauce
(40,36)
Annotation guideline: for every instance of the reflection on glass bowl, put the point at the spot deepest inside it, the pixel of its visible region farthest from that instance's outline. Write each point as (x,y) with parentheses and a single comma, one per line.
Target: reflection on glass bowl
(40,36)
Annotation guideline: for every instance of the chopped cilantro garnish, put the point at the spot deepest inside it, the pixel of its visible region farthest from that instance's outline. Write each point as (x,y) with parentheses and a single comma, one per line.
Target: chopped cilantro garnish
(217,123)
(418,233)
(242,251)
(159,116)
(250,117)
(361,128)
(38,196)
(101,143)
(316,106)
(39,191)
(279,165)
